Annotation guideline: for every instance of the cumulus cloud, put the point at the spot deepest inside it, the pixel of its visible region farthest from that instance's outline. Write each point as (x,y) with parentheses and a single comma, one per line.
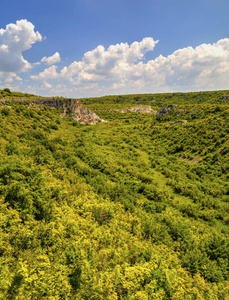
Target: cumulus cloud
(101,64)
(121,68)
(193,67)
(47,85)
(49,73)
(100,61)
(51,60)
(15,39)
(9,77)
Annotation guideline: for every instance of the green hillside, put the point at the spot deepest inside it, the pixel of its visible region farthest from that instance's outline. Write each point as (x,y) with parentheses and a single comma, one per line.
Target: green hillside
(134,208)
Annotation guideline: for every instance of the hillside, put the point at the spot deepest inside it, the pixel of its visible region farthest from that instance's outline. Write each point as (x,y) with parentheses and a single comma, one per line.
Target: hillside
(132,208)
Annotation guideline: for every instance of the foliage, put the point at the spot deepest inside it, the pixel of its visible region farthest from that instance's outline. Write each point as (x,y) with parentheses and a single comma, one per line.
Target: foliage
(135,208)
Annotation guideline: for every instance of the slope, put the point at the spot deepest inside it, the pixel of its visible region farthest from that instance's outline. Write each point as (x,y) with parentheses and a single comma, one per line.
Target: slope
(135,208)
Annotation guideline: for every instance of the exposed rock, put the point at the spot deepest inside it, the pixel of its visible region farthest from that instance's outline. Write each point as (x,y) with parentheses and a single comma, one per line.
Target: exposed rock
(78,112)
(70,107)
(196,159)
(193,112)
(75,109)
(139,109)
(166,109)
(180,112)
(180,121)
(225,96)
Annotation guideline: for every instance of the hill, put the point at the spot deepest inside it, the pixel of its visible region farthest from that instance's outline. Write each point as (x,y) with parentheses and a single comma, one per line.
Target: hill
(132,208)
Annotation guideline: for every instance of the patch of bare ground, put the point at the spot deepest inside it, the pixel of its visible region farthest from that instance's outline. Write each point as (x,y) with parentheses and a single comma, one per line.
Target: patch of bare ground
(181,158)
(196,159)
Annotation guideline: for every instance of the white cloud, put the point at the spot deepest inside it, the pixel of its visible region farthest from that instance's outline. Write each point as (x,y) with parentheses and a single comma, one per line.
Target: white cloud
(9,77)
(49,73)
(51,60)
(15,39)
(121,68)
(193,67)
(100,64)
(47,85)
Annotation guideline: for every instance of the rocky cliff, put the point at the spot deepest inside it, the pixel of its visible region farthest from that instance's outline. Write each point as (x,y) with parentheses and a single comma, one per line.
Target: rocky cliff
(70,107)
(74,109)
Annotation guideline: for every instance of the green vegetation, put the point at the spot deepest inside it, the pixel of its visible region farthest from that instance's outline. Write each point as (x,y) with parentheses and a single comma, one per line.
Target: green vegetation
(7,94)
(135,208)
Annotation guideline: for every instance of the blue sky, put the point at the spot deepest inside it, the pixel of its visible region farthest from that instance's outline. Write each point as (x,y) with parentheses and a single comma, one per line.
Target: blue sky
(85,48)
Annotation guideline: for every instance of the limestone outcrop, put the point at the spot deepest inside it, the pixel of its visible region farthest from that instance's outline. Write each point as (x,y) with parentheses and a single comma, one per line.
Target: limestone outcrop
(71,107)
(166,109)
(139,109)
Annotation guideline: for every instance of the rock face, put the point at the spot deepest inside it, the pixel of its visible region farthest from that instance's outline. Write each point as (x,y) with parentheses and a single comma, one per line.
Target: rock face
(140,109)
(225,96)
(75,110)
(166,109)
(70,107)
(180,112)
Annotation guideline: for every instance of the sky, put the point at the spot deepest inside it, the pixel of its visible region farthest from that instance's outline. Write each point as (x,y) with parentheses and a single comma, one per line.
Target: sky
(86,48)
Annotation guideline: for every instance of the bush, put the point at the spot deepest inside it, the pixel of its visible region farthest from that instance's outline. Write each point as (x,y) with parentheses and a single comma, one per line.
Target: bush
(7,90)
(5,111)
(54,126)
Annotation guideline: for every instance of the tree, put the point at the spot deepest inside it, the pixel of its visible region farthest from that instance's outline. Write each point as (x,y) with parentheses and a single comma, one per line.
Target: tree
(7,90)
